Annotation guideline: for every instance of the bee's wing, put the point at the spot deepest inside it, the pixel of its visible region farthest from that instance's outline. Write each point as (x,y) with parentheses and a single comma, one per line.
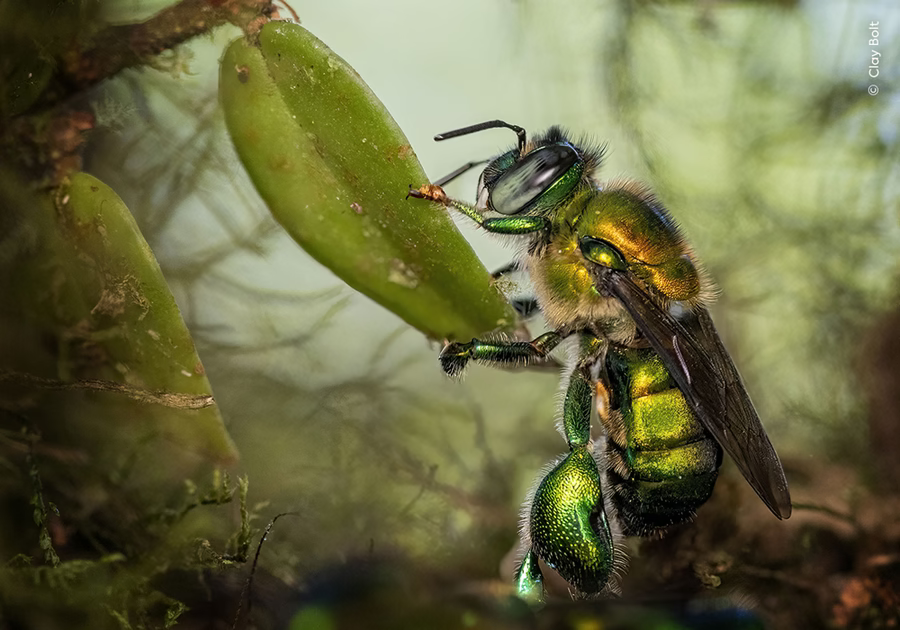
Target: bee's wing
(694,355)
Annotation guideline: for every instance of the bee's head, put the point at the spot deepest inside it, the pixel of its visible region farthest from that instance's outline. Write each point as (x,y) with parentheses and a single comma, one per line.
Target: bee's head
(533,177)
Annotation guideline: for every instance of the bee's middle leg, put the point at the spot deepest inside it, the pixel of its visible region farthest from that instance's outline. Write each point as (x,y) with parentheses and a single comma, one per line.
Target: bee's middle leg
(456,355)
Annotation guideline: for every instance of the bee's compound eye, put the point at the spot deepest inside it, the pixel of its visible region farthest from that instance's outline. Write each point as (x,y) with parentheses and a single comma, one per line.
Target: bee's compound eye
(599,251)
(530,177)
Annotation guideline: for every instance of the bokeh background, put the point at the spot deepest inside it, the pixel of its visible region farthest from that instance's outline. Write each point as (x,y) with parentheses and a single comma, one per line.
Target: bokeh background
(754,123)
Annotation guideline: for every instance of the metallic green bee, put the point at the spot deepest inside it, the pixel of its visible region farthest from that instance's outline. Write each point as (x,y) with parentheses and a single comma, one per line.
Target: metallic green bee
(611,271)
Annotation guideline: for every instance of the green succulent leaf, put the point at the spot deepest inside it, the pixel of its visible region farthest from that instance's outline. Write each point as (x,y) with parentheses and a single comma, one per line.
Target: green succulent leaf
(334,169)
(97,354)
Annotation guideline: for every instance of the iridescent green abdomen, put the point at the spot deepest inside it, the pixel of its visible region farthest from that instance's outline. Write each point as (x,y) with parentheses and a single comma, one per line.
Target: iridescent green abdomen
(662,462)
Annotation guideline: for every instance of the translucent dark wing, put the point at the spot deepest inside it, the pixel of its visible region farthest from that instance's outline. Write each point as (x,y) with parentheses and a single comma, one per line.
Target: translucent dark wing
(691,350)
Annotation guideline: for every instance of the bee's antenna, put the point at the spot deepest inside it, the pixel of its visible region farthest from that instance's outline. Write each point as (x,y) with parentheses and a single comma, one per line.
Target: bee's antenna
(491,124)
(449,177)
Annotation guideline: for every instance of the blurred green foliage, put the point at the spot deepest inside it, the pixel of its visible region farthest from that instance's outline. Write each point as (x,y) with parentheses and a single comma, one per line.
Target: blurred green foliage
(90,318)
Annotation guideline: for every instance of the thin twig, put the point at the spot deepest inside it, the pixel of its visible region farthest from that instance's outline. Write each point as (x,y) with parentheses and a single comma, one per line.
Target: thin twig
(119,47)
(245,592)
(167,399)
(781,577)
(824,509)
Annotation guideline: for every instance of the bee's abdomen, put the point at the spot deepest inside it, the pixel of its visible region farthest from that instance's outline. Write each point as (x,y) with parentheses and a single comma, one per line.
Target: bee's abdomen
(662,464)
(647,505)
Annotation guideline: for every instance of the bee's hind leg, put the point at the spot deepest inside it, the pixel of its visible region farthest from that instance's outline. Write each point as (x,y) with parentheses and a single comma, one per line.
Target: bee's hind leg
(529,580)
(566,524)
(568,529)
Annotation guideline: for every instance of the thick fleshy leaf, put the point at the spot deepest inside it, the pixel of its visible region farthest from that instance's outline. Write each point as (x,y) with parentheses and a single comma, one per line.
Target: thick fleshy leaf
(96,354)
(334,169)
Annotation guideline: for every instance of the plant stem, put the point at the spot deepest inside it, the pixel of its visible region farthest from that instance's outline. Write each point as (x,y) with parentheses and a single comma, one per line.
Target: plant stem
(119,47)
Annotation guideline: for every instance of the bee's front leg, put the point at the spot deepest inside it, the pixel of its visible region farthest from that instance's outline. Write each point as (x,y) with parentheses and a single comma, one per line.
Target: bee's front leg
(496,225)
